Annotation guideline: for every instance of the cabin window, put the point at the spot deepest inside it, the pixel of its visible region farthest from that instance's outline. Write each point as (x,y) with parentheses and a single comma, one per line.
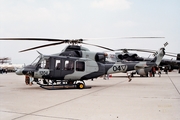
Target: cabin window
(57,64)
(80,66)
(69,65)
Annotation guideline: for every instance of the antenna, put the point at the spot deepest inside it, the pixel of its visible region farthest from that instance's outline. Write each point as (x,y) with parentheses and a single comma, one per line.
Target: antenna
(39,53)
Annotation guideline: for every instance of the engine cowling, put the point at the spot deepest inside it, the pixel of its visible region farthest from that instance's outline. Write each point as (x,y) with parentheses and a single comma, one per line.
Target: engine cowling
(129,57)
(143,71)
(100,57)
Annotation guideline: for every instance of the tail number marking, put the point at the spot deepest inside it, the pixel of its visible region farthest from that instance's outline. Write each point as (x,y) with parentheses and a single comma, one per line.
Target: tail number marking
(119,68)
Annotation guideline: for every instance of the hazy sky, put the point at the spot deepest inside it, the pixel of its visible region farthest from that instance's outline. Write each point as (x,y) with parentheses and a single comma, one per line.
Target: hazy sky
(73,19)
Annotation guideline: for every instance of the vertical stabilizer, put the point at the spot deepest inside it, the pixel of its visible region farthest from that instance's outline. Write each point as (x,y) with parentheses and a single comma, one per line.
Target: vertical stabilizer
(178,57)
(158,57)
(159,54)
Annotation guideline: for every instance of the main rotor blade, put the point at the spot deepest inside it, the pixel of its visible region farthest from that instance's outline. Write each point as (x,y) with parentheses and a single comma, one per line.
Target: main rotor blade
(42,46)
(136,37)
(149,51)
(140,37)
(36,39)
(152,51)
(51,39)
(5,58)
(140,50)
(170,55)
(99,46)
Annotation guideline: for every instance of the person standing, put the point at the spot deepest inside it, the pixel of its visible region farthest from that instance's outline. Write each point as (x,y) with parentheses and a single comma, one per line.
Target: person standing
(153,71)
(106,77)
(166,70)
(159,72)
(129,75)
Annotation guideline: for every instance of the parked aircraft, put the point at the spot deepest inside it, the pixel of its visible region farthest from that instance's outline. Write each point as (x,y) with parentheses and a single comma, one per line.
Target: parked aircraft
(76,64)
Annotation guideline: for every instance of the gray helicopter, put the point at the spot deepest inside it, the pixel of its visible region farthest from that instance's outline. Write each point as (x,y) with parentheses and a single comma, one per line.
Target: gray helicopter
(75,64)
(125,55)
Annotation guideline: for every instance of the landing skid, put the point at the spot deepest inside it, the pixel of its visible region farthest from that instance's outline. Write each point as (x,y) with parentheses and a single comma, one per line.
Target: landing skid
(61,84)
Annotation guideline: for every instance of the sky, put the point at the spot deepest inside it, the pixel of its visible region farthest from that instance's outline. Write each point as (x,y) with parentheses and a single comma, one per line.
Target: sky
(88,19)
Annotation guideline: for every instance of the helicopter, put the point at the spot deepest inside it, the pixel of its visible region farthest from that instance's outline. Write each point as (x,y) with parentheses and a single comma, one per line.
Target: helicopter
(165,64)
(75,64)
(5,60)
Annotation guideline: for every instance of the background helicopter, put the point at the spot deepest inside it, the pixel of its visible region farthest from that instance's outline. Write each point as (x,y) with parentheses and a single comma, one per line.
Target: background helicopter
(5,60)
(166,64)
(7,66)
(76,64)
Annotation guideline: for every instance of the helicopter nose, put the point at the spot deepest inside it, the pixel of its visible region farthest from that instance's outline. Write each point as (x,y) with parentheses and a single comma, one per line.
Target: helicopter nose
(19,72)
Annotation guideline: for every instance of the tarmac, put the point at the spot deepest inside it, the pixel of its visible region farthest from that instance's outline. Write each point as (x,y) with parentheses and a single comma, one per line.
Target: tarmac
(144,98)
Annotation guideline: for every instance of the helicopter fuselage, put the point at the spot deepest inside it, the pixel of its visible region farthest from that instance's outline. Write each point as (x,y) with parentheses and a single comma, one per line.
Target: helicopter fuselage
(73,68)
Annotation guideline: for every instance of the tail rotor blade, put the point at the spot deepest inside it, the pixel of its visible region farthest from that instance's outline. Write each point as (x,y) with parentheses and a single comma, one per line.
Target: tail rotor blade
(165,44)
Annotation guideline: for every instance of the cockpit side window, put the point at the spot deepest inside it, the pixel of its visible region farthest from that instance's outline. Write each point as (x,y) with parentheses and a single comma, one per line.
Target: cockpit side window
(47,64)
(43,64)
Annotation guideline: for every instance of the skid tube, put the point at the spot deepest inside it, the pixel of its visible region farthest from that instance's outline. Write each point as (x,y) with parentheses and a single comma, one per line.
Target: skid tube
(61,84)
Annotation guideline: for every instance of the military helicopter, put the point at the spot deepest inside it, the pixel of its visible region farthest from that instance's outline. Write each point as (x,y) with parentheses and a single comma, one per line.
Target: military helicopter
(167,64)
(5,60)
(75,64)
